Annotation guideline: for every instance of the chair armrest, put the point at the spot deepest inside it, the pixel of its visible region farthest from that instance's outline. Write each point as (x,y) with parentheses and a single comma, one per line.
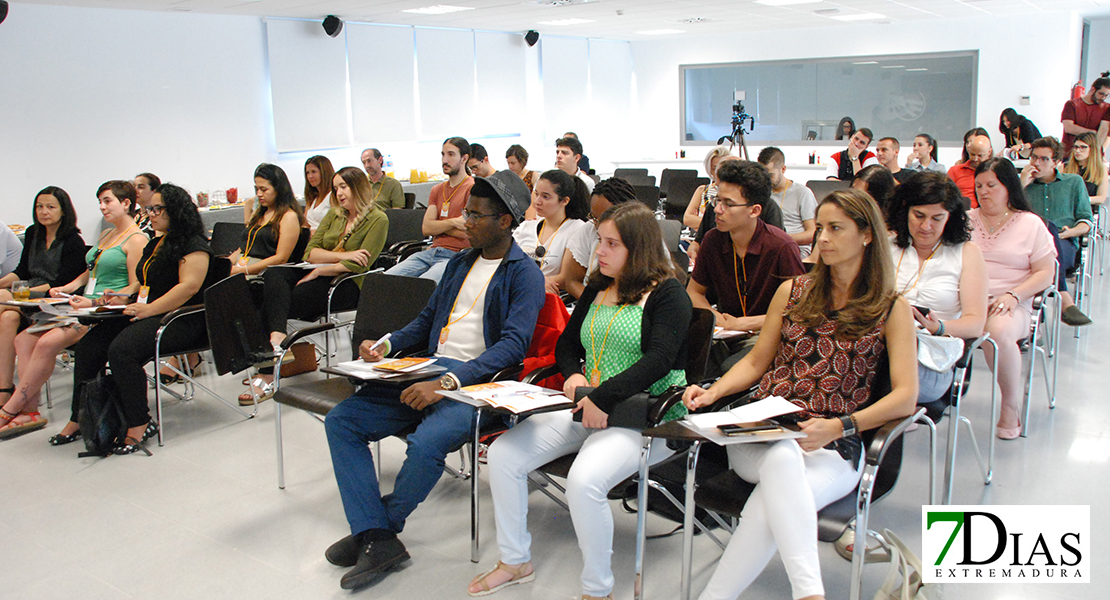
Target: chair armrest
(181,312)
(970,346)
(310,330)
(666,401)
(511,373)
(887,432)
(542,373)
(338,279)
(400,247)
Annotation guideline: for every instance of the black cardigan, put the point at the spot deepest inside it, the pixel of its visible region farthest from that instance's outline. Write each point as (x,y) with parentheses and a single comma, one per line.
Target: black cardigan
(73,256)
(663,330)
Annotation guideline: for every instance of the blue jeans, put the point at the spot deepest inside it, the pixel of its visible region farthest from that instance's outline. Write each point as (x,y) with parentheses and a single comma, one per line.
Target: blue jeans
(428,264)
(376,412)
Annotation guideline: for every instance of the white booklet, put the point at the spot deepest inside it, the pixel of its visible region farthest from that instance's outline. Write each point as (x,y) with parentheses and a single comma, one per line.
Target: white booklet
(513,396)
(385,369)
(708,424)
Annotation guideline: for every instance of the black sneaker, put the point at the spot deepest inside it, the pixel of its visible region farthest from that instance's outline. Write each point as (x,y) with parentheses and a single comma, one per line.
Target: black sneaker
(343,553)
(375,558)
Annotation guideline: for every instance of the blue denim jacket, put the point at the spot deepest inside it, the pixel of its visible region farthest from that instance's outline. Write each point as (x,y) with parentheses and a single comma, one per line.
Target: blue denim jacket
(513,302)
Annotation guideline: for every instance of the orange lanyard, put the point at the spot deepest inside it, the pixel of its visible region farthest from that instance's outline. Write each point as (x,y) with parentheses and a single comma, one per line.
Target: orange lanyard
(446,206)
(913,282)
(251,239)
(146,264)
(103,249)
(595,373)
(736,273)
(443,332)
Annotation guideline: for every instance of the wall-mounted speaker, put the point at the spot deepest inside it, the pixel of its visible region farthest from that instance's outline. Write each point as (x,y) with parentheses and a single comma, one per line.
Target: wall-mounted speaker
(532,37)
(3,10)
(332,25)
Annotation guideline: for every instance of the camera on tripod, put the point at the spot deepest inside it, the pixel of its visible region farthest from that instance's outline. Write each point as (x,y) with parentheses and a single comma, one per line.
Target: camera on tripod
(739,117)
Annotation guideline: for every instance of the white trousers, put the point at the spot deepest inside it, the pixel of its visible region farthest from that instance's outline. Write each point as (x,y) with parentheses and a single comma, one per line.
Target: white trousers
(605,458)
(792,485)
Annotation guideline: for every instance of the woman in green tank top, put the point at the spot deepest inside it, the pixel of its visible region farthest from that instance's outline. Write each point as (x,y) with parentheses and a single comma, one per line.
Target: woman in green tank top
(111,268)
(627,335)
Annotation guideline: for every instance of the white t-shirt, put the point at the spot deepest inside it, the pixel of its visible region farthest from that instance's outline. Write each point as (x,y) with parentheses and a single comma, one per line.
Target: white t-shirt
(11,249)
(798,204)
(466,338)
(527,237)
(938,287)
(586,179)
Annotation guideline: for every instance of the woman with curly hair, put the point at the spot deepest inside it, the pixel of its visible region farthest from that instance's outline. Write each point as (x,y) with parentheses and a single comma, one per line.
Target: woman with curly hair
(171,273)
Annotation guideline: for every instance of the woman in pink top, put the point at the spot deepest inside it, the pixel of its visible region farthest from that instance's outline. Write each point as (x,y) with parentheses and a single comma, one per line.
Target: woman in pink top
(1020,257)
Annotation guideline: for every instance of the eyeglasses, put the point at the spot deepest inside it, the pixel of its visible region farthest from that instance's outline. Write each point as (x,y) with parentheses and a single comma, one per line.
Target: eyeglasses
(731,205)
(1078,146)
(473,216)
(155,209)
(1043,159)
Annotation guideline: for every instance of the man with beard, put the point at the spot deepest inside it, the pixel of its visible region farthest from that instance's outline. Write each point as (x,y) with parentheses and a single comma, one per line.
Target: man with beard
(443,219)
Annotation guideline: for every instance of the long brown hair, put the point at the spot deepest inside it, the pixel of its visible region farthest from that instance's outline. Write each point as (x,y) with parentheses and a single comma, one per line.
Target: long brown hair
(872,292)
(312,196)
(1094,171)
(284,202)
(646,265)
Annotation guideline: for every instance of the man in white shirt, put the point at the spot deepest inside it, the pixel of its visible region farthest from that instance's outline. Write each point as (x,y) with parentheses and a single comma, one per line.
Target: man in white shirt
(799,206)
(568,151)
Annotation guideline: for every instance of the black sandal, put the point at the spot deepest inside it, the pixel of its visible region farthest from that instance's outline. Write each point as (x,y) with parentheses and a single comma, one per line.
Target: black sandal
(130,446)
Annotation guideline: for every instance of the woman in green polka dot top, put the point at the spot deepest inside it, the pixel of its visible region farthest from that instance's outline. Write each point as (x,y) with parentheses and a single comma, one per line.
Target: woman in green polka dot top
(627,335)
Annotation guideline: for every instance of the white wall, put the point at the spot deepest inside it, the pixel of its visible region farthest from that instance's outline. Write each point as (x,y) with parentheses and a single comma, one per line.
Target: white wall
(95,94)
(1006,70)
(1098,50)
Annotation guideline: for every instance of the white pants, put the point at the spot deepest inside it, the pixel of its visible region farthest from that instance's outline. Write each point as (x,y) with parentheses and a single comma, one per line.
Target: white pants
(792,485)
(605,458)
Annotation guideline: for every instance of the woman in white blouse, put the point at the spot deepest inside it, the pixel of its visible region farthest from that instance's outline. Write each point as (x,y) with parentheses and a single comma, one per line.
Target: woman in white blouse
(562,203)
(939,270)
(319,197)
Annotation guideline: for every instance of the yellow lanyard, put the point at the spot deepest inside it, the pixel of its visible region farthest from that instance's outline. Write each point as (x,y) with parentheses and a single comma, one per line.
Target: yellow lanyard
(913,282)
(443,332)
(539,234)
(736,273)
(146,264)
(381,186)
(595,373)
(103,249)
(251,239)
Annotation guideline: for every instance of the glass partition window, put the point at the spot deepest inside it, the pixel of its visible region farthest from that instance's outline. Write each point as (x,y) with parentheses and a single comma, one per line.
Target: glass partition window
(797,100)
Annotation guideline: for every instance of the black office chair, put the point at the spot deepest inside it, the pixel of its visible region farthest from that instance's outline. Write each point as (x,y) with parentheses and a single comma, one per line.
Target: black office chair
(196,316)
(824,187)
(649,195)
(669,176)
(679,194)
(410,200)
(626,174)
(226,237)
(404,237)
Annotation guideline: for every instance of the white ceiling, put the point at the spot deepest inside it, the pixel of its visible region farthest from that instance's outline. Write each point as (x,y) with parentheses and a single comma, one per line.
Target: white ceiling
(611,19)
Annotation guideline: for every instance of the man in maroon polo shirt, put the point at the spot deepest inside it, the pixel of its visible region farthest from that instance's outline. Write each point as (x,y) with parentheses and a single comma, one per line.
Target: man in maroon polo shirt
(742,260)
(1087,113)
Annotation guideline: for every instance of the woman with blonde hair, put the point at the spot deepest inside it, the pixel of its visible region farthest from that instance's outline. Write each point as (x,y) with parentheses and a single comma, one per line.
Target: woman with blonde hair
(348,240)
(842,315)
(1086,160)
(705,195)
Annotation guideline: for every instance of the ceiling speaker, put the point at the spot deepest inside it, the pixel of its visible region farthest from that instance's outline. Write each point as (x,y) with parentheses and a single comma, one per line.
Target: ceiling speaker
(3,10)
(333,25)
(532,37)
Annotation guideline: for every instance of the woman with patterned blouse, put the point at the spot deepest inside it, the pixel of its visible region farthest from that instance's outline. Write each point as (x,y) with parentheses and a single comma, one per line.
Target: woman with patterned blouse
(626,336)
(821,343)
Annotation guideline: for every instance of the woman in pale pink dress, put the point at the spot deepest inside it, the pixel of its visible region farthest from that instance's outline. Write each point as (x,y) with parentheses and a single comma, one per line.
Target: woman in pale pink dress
(1020,257)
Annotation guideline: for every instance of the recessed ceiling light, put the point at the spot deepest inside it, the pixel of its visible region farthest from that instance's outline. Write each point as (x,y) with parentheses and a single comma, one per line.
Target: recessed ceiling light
(786,2)
(921,69)
(894,66)
(181,8)
(660,31)
(866,62)
(692,20)
(560,2)
(826,11)
(561,22)
(860,17)
(437,9)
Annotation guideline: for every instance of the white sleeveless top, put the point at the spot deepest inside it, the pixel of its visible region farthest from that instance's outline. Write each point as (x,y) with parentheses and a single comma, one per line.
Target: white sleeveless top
(527,237)
(938,287)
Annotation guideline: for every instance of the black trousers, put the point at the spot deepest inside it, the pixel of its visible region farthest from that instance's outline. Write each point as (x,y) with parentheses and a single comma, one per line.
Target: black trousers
(283,299)
(127,346)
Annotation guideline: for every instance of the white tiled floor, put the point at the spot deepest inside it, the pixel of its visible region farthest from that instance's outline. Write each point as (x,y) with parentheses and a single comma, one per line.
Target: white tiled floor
(204,519)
